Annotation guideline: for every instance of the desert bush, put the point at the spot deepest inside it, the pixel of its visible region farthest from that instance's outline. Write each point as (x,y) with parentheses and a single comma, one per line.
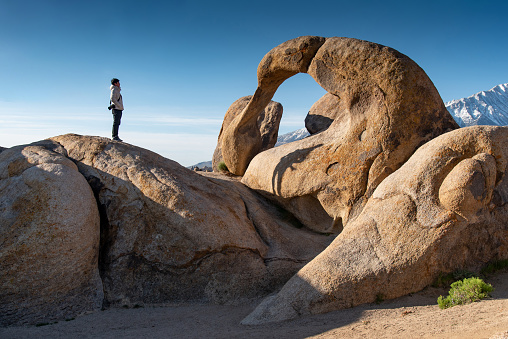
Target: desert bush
(464,292)
(222,166)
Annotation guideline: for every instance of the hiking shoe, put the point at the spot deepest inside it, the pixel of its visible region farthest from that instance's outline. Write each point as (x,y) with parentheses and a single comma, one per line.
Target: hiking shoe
(117,139)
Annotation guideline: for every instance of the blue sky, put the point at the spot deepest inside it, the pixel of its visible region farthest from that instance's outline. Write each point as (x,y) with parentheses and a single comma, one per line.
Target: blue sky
(182,63)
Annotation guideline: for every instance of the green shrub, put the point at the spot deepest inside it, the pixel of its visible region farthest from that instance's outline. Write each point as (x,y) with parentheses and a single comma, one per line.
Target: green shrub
(464,292)
(222,166)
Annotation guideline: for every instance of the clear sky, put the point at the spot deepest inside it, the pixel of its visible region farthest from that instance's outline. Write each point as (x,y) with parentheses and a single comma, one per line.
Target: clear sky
(182,63)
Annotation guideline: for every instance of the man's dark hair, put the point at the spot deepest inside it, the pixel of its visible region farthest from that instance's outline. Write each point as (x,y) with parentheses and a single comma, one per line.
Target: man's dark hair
(114,81)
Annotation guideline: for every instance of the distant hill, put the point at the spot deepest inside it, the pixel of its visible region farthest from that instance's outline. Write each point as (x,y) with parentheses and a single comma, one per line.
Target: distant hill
(483,108)
(202,165)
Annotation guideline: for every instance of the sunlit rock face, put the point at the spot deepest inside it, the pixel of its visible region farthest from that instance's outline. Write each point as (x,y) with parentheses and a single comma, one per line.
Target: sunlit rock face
(169,234)
(445,209)
(49,236)
(325,111)
(86,222)
(267,124)
(383,107)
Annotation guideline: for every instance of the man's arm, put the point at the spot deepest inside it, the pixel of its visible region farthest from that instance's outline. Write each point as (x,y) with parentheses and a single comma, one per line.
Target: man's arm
(115,96)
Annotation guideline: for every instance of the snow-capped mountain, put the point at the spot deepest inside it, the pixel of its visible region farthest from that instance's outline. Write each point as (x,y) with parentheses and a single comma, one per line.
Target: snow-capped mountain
(292,136)
(484,108)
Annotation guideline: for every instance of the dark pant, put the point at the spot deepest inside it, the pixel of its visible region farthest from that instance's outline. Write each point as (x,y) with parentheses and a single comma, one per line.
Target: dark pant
(117,116)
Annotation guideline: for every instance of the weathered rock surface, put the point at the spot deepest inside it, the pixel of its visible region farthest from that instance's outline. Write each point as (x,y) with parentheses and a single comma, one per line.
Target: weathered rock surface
(325,111)
(385,106)
(445,209)
(49,236)
(267,124)
(169,234)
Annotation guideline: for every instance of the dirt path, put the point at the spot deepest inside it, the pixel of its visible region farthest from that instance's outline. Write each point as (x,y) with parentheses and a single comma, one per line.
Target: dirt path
(413,316)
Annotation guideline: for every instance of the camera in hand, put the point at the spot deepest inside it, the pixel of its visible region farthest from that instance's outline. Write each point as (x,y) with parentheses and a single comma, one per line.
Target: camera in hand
(111,106)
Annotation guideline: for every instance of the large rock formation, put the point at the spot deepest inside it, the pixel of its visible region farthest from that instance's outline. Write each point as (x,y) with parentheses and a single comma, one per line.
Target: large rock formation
(445,209)
(267,123)
(49,236)
(370,80)
(170,234)
(384,108)
(165,233)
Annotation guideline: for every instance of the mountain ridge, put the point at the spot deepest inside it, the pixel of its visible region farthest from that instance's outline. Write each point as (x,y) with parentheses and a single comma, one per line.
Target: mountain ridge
(483,108)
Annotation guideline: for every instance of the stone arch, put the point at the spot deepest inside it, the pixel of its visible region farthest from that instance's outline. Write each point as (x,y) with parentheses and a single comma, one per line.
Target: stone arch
(360,73)
(390,108)
(241,140)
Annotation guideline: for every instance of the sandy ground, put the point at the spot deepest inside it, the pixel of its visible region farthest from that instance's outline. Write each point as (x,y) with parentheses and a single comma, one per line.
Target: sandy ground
(415,316)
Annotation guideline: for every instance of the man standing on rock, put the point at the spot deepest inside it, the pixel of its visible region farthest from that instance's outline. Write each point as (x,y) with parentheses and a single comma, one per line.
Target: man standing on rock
(116,107)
